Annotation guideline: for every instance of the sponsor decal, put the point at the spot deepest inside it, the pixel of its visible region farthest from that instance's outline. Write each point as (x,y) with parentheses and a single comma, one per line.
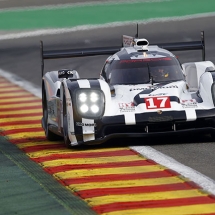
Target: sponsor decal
(163,87)
(85,124)
(158,94)
(155,88)
(189,103)
(142,88)
(157,102)
(63,72)
(126,107)
(145,60)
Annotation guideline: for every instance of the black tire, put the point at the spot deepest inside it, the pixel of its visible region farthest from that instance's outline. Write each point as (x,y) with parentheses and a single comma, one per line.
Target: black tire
(212,133)
(65,125)
(49,135)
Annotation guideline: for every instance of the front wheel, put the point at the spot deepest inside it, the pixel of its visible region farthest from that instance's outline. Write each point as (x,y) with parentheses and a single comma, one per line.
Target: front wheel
(212,133)
(49,135)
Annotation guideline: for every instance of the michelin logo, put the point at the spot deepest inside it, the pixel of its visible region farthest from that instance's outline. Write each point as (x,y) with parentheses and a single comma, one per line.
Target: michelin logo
(81,124)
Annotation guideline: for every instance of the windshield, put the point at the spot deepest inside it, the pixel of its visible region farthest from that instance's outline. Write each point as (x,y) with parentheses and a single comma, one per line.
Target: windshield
(139,71)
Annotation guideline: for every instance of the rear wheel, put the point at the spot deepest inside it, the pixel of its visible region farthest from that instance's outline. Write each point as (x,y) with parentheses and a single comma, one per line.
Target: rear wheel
(65,125)
(49,135)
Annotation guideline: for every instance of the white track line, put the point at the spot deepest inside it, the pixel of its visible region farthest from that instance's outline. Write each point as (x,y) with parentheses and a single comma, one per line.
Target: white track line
(43,32)
(79,4)
(32,88)
(205,182)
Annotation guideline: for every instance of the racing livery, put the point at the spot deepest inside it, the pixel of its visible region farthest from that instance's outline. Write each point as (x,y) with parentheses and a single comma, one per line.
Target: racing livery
(143,90)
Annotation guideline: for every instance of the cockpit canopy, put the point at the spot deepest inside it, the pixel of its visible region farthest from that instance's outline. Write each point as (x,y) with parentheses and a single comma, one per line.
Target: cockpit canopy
(141,71)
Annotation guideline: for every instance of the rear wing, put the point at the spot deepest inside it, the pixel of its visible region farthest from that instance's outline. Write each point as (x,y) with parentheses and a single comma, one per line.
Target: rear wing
(192,45)
(71,53)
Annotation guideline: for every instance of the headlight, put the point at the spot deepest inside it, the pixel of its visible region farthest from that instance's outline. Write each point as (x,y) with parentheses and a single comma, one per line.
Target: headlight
(90,103)
(84,108)
(83,97)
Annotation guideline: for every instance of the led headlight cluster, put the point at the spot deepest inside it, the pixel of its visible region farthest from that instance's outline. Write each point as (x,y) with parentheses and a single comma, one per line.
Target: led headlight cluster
(90,103)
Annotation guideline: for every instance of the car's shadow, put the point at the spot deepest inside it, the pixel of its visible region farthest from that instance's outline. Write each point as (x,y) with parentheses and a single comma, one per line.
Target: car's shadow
(152,141)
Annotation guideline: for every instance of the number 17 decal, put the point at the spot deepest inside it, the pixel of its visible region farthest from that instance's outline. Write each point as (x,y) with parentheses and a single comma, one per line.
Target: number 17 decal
(157,102)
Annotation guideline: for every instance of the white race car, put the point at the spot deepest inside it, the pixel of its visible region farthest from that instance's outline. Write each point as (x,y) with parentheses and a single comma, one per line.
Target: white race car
(142,91)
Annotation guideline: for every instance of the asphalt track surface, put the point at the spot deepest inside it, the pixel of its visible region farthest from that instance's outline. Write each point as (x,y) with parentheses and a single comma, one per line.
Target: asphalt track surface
(22,57)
